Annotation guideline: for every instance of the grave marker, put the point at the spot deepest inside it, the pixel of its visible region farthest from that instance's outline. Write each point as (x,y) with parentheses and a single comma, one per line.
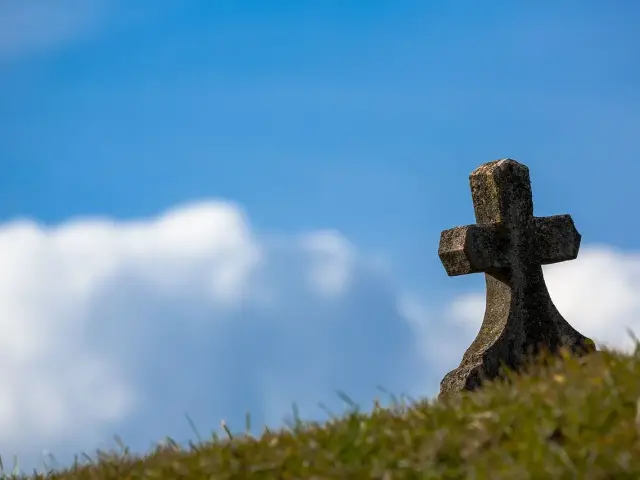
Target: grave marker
(510,246)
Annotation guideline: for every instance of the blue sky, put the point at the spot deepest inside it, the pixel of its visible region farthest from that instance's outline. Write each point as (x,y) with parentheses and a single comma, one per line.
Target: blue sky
(214,207)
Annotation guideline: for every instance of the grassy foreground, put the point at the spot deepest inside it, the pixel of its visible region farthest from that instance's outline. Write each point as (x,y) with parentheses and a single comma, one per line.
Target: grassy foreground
(569,418)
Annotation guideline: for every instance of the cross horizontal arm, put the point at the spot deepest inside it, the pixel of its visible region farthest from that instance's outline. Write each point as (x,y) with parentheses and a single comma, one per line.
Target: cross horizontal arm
(557,239)
(472,249)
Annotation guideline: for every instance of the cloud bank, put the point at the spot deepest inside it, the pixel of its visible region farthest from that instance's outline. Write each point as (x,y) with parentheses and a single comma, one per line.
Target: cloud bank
(111,327)
(107,327)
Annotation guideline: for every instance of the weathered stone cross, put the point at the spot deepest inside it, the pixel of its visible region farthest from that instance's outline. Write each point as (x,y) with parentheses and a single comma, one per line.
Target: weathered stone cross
(510,245)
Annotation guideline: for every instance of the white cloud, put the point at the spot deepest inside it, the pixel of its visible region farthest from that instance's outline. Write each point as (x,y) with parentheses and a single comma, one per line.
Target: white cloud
(34,25)
(119,327)
(332,261)
(50,282)
(97,317)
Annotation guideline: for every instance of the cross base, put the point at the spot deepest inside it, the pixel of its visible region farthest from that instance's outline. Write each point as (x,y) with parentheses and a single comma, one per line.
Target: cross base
(509,336)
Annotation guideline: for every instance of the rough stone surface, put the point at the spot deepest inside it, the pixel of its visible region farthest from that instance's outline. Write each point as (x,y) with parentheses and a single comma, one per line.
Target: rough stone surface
(510,246)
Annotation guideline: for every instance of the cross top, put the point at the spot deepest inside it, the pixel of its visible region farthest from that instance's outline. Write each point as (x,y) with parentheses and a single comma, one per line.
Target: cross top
(501,192)
(510,245)
(507,234)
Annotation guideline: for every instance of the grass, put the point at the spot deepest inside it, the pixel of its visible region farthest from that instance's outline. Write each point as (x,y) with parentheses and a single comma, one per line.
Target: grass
(564,417)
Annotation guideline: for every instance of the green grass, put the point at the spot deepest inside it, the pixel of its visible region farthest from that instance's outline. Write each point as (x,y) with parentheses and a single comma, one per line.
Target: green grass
(574,418)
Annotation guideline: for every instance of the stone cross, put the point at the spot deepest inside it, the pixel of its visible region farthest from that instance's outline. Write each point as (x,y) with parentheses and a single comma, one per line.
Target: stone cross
(510,246)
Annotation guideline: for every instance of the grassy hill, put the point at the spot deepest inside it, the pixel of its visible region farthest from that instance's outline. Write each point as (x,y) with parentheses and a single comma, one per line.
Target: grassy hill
(563,418)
